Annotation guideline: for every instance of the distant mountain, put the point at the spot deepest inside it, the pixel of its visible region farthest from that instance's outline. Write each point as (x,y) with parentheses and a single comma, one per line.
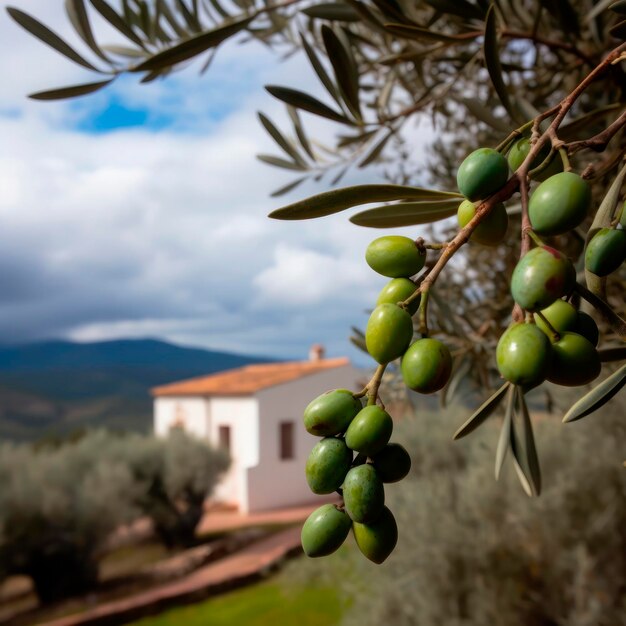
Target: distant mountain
(55,387)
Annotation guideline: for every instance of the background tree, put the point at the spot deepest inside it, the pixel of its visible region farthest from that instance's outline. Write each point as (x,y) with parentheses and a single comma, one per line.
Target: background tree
(60,504)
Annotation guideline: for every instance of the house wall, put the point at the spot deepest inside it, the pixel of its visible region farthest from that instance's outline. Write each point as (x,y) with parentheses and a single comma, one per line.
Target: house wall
(273,482)
(189,412)
(241,414)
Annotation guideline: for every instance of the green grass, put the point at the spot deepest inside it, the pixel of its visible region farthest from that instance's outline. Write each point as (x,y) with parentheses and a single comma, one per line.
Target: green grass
(263,604)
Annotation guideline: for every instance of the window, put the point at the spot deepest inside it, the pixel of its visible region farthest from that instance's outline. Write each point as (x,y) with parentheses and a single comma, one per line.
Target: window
(223,435)
(286,441)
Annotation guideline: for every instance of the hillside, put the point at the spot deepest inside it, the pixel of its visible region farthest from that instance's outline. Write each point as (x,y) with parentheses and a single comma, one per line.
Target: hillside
(55,387)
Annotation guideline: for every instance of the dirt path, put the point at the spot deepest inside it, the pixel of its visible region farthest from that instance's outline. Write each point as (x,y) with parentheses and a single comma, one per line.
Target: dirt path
(243,567)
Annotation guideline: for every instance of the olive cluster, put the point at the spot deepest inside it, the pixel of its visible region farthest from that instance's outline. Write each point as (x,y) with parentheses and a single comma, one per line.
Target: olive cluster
(348,428)
(556,342)
(426,363)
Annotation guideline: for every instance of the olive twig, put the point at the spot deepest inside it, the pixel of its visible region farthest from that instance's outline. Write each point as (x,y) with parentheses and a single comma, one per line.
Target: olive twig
(374,384)
(555,333)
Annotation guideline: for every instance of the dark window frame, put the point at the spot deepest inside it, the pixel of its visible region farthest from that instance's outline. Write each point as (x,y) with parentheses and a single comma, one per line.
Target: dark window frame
(286,441)
(224,436)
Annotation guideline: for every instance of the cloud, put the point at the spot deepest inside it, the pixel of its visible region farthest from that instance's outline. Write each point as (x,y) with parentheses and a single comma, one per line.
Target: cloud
(160,229)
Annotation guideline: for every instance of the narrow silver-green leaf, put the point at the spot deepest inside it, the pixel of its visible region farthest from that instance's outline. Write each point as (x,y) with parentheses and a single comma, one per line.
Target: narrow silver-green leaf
(482,412)
(278,162)
(337,200)
(461,8)
(343,64)
(282,141)
(190,19)
(304,101)
(598,396)
(287,188)
(492,61)
(170,18)
(406,213)
(610,355)
(191,47)
(332,11)
(618,7)
(43,33)
(417,33)
(377,149)
(125,51)
(504,441)
(518,461)
(300,134)
(530,449)
(322,74)
(80,20)
(484,114)
(69,92)
(117,21)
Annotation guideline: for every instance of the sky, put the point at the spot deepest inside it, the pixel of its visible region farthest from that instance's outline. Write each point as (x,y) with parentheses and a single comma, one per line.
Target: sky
(141,210)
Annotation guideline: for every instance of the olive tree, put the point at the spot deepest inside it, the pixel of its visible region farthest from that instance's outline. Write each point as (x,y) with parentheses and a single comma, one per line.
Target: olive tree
(534,92)
(58,507)
(60,504)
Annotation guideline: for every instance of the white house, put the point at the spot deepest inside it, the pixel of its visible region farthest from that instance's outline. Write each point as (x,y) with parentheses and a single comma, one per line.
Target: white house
(255,412)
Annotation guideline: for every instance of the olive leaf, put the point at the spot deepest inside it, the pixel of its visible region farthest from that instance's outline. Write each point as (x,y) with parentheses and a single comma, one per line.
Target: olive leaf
(597,397)
(610,355)
(461,8)
(279,162)
(504,441)
(116,20)
(418,33)
(406,213)
(287,188)
(492,61)
(78,16)
(619,7)
(482,412)
(345,70)
(337,200)
(191,47)
(617,323)
(332,11)
(377,149)
(531,458)
(43,33)
(484,114)
(304,101)
(279,138)
(317,66)
(69,92)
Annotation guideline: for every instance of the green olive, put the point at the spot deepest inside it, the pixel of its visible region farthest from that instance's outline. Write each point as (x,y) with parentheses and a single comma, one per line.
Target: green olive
(542,276)
(388,333)
(426,365)
(398,290)
(325,530)
(561,315)
(395,256)
(392,463)
(519,152)
(575,361)
(606,251)
(586,326)
(482,173)
(377,539)
(363,494)
(369,431)
(523,355)
(328,465)
(330,413)
(491,231)
(559,204)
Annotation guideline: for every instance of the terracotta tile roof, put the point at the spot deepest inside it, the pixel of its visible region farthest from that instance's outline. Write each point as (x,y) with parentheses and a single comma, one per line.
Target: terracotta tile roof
(247,380)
